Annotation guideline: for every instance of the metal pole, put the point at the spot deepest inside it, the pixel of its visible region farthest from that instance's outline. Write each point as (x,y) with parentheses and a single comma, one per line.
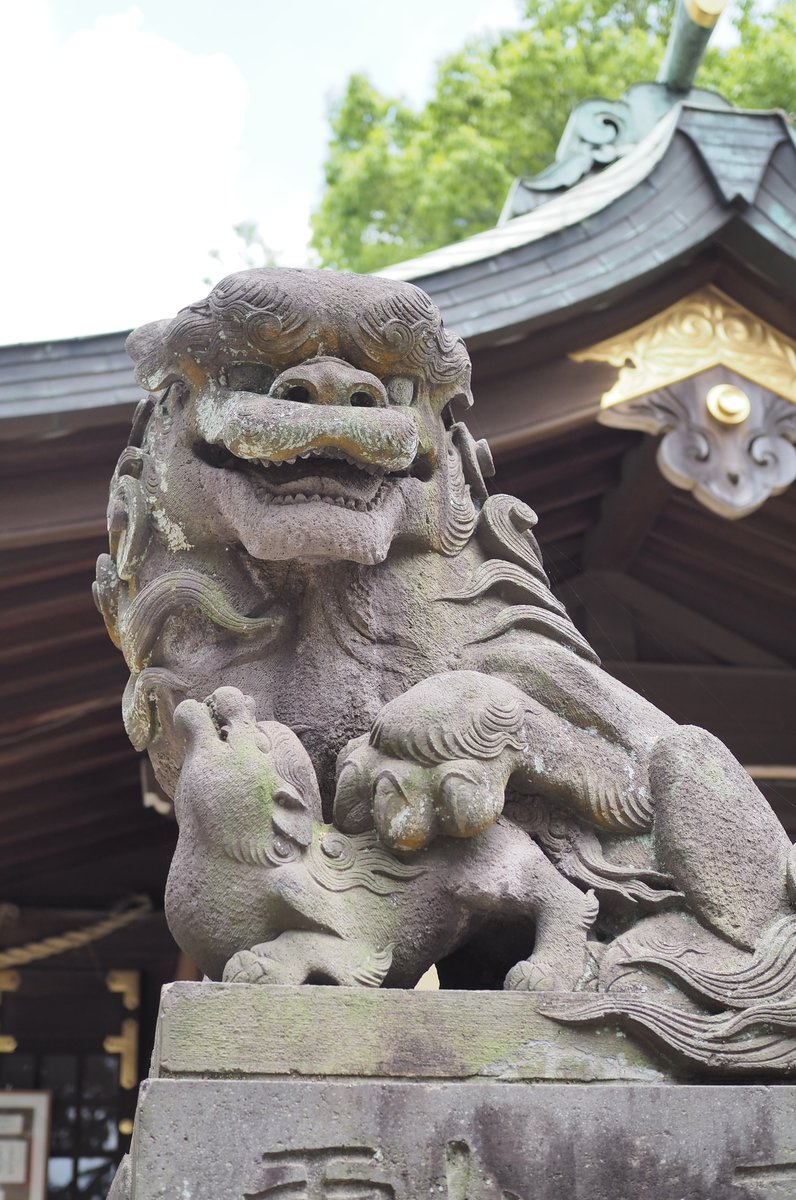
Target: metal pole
(693,23)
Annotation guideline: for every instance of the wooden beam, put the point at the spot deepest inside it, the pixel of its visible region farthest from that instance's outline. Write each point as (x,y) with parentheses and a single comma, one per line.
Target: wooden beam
(750,709)
(629,511)
(57,531)
(711,590)
(658,612)
(92,635)
(83,844)
(53,506)
(40,716)
(43,769)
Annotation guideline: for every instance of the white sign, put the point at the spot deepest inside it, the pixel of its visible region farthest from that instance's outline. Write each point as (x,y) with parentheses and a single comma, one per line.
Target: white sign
(14,1160)
(24,1145)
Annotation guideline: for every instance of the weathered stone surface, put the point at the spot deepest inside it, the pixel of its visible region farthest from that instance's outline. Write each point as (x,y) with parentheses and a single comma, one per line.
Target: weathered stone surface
(216,1140)
(221,1030)
(387,744)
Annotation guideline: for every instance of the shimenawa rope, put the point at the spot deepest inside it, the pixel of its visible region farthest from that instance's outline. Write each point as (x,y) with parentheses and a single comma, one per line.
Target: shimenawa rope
(60,943)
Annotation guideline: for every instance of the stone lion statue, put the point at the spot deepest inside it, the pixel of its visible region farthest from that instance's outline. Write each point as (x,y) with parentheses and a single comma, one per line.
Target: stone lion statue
(387,743)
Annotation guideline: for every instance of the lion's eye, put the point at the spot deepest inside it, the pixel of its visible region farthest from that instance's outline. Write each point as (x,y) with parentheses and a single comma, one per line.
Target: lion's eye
(400,389)
(247,377)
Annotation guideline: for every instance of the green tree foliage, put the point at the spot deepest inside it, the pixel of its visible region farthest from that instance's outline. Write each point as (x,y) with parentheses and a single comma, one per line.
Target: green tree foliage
(400,182)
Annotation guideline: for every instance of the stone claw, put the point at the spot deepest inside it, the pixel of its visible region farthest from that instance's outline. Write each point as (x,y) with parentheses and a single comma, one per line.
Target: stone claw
(409,803)
(530,976)
(248,967)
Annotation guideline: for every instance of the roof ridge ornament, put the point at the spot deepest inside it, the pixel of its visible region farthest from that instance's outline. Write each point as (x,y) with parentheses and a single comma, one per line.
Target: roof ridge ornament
(599,130)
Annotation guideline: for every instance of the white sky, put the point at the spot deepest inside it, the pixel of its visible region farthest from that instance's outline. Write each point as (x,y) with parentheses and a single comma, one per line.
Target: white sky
(136,136)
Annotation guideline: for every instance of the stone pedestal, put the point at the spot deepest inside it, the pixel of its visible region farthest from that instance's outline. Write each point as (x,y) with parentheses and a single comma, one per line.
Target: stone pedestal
(355,1094)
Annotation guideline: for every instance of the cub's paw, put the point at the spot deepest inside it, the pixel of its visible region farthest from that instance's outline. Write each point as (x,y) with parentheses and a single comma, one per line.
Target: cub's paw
(530,976)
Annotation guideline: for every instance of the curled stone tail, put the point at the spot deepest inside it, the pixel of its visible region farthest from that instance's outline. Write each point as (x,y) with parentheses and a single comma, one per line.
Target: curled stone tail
(771,971)
(758,1040)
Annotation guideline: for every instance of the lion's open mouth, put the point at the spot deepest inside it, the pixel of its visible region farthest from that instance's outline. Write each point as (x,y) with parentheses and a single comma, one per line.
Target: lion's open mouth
(329,475)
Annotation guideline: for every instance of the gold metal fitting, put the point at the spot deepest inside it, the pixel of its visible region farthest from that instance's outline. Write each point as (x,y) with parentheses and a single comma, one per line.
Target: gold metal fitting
(728,404)
(705,13)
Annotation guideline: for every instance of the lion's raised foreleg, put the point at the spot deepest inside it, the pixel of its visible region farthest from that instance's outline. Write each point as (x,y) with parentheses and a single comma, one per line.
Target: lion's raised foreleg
(297,957)
(715,834)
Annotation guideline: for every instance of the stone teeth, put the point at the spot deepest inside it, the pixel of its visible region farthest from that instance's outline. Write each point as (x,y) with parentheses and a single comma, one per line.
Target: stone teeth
(290,460)
(300,496)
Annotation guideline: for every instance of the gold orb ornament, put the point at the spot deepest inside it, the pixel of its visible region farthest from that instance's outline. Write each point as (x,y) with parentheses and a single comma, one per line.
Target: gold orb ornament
(728,404)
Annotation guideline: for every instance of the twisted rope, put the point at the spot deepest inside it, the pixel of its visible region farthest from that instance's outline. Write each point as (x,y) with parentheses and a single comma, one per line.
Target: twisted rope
(60,943)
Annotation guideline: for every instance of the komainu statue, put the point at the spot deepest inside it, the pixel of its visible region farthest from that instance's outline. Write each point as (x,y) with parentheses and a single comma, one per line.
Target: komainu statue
(387,744)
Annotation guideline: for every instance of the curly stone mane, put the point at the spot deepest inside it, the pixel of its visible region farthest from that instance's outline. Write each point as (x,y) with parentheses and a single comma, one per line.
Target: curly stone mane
(515,572)
(376,324)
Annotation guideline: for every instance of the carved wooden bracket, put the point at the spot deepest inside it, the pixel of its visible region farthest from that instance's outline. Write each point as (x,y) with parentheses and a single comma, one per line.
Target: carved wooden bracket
(728,441)
(128,984)
(720,385)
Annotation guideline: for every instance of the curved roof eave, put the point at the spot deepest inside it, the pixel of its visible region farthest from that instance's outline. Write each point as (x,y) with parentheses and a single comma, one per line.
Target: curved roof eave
(578,202)
(620,229)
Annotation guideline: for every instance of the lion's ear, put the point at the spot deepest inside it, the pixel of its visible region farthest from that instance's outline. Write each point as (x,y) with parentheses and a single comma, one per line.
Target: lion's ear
(145,347)
(477,462)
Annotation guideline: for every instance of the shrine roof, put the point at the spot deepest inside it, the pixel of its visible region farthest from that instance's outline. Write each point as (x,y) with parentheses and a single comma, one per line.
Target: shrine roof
(702,175)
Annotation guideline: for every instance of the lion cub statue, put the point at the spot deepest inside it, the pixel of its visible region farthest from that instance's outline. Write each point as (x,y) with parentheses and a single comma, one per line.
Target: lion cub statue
(387,744)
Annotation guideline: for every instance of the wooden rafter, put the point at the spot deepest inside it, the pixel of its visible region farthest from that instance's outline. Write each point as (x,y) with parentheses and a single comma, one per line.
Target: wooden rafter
(629,511)
(655,610)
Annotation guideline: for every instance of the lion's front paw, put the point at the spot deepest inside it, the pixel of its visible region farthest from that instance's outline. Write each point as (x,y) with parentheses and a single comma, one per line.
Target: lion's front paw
(247,967)
(437,761)
(409,803)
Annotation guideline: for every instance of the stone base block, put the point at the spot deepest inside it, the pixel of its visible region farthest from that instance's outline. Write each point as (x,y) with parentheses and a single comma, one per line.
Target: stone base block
(271,1094)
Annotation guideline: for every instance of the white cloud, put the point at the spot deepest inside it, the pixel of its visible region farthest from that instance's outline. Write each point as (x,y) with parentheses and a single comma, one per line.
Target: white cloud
(120,162)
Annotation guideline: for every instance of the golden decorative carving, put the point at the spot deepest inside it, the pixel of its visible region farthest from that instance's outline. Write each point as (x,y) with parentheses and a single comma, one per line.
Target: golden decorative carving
(125,1044)
(128,984)
(705,329)
(728,404)
(9,981)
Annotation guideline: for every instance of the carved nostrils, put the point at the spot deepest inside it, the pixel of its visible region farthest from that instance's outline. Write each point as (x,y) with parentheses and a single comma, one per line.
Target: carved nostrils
(330,381)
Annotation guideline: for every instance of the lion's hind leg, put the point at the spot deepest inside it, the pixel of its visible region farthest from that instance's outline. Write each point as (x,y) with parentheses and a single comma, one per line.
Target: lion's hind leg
(302,957)
(717,837)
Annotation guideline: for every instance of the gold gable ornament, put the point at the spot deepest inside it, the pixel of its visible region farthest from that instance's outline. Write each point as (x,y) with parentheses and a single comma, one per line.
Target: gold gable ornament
(719,384)
(705,329)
